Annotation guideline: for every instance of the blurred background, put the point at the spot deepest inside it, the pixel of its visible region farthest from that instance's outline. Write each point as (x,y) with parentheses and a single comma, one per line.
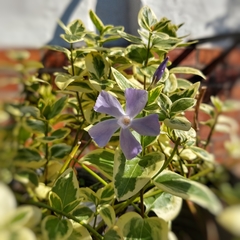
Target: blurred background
(29,25)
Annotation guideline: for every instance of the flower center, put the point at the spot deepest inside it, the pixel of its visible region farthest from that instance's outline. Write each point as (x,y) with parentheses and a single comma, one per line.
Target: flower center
(124,121)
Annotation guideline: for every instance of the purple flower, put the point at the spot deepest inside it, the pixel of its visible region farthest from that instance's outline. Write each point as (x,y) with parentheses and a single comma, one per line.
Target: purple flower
(159,72)
(135,102)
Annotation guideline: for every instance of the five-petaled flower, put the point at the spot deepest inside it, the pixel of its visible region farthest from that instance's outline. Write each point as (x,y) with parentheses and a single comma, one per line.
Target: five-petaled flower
(135,102)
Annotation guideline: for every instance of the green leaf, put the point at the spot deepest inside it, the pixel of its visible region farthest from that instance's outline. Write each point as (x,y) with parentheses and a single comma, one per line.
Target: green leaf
(62,80)
(203,154)
(17,234)
(27,176)
(133,226)
(164,205)
(106,194)
(66,187)
(146,18)
(55,136)
(55,201)
(105,84)
(186,93)
(76,27)
(218,104)
(27,154)
(122,82)
(165,103)
(154,93)
(182,105)
(130,176)
(71,206)
(148,140)
(80,85)
(130,38)
(187,70)
(107,213)
(30,111)
(102,159)
(59,150)
(36,126)
(59,49)
(160,25)
(96,21)
(113,233)
(57,107)
(83,213)
(24,216)
(88,195)
(180,123)
(170,83)
(79,232)
(165,44)
(54,228)
(177,185)
(97,65)
(138,53)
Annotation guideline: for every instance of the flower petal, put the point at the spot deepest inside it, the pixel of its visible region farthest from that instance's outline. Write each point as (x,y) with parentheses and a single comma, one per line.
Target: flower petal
(130,146)
(147,126)
(136,100)
(106,103)
(102,132)
(159,72)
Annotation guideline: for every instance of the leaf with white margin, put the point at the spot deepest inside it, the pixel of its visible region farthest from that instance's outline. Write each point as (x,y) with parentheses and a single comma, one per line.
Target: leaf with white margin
(130,176)
(66,187)
(229,219)
(164,205)
(24,216)
(107,213)
(133,226)
(8,203)
(54,228)
(113,233)
(79,232)
(187,189)
(17,234)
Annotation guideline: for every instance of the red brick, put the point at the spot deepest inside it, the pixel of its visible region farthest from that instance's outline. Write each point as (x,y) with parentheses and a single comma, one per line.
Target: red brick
(190,60)
(234,57)
(206,56)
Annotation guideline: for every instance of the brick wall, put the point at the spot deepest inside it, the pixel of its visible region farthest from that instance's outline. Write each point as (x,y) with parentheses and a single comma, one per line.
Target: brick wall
(223,81)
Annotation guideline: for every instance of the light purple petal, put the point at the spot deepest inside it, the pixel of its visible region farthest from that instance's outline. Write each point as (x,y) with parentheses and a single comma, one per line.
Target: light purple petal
(136,100)
(102,132)
(130,146)
(147,126)
(106,103)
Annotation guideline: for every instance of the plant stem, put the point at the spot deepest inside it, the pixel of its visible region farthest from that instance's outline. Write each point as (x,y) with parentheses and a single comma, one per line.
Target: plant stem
(72,61)
(196,112)
(142,203)
(211,131)
(46,156)
(80,105)
(172,155)
(93,174)
(69,216)
(202,173)
(146,62)
(70,157)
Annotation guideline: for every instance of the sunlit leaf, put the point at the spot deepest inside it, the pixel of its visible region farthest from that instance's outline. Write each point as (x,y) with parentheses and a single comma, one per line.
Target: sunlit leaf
(187,189)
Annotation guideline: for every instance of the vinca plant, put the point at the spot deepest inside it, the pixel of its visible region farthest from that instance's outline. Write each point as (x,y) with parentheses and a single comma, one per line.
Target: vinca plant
(103,149)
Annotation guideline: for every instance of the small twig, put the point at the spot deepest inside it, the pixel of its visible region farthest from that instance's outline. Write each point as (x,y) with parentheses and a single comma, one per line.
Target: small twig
(196,112)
